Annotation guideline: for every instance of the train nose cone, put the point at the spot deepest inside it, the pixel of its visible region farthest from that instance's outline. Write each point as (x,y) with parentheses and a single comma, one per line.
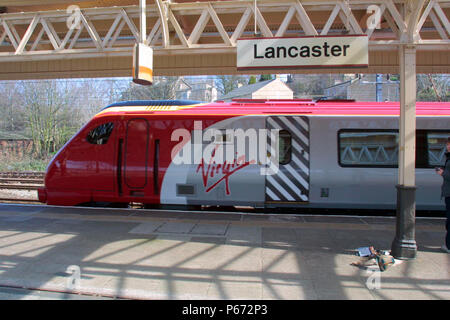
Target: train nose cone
(42,195)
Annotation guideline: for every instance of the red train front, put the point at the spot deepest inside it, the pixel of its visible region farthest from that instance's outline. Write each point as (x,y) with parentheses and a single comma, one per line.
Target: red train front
(120,156)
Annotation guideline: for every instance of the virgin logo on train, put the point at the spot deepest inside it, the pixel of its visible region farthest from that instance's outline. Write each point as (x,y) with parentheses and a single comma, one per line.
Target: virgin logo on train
(223,170)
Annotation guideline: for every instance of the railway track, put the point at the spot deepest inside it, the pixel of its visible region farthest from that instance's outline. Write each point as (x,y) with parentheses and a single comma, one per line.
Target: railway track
(31,181)
(12,183)
(23,174)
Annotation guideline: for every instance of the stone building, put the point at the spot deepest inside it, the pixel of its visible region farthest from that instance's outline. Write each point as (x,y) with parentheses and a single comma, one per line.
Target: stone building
(269,89)
(368,87)
(311,86)
(196,89)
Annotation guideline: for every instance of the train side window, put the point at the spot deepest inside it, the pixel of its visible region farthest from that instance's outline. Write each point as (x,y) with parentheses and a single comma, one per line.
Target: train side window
(436,141)
(366,148)
(100,134)
(285,147)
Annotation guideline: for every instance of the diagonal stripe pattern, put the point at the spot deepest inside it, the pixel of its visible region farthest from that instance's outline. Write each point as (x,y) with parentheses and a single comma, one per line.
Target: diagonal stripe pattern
(291,182)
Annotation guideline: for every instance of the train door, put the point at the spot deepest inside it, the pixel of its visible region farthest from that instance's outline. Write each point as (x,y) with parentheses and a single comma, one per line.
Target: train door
(133,181)
(291,182)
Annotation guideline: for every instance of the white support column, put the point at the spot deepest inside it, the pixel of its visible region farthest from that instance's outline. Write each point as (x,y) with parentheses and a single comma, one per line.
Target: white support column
(404,245)
(407,150)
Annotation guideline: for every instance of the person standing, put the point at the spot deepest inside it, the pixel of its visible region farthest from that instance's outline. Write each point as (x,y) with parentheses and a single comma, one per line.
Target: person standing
(445,193)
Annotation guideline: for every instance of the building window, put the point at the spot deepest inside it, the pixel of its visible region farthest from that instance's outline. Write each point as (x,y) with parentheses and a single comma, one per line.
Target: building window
(100,135)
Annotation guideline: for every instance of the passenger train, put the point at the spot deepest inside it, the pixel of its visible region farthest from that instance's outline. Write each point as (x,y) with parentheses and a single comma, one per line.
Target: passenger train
(257,153)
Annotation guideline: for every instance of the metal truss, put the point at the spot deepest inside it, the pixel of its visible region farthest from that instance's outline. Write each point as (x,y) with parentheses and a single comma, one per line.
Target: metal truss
(214,27)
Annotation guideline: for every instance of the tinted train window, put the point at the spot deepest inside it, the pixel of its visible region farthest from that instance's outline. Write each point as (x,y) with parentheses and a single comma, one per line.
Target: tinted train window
(368,148)
(285,147)
(436,142)
(100,135)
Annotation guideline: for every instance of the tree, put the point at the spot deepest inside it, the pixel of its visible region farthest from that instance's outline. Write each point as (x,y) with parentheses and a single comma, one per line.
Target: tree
(51,114)
(226,83)
(433,87)
(265,77)
(163,88)
(11,109)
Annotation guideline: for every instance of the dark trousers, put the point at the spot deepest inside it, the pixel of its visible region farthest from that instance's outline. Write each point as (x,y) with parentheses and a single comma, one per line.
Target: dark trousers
(447,223)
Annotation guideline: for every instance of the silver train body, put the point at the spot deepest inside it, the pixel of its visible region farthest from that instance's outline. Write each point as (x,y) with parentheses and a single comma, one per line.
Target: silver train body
(334,162)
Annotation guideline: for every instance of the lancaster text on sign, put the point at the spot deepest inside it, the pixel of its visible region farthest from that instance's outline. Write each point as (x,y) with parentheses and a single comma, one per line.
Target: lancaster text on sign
(303,52)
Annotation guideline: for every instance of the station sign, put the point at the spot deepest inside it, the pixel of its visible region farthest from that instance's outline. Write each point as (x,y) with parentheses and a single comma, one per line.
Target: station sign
(303,52)
(142,64)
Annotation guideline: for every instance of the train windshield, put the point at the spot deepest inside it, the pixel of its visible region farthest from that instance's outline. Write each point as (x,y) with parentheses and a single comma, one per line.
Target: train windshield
(100,134)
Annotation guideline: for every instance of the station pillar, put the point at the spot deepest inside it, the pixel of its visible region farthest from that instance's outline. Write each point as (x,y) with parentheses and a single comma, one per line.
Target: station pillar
(404,245)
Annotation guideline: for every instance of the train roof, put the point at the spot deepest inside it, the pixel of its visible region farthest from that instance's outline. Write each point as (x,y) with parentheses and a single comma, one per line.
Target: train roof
(241,107)
(141,103)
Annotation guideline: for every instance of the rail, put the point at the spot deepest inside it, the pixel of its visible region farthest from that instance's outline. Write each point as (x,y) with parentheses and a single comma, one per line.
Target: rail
(23,174)
(20,181)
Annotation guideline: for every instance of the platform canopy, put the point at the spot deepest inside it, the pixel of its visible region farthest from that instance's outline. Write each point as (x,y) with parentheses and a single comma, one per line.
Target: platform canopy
(62,39)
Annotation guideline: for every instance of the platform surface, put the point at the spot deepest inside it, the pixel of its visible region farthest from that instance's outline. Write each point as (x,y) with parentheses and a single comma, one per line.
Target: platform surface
(143,254)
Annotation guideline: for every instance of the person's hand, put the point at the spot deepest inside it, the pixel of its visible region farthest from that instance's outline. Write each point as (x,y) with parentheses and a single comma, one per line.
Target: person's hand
(440,171)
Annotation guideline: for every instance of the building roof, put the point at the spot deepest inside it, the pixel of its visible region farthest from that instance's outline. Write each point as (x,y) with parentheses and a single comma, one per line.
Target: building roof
(245,90)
